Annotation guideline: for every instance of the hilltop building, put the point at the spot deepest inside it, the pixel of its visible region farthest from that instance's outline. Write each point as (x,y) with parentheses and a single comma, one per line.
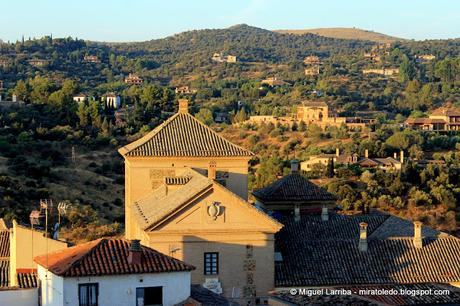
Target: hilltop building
(185,195)
(221,58)
(133,79)
(384,71)
(312,71)
(441,119)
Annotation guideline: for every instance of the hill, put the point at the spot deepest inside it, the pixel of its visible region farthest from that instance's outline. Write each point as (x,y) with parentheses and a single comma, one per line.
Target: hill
(345,33)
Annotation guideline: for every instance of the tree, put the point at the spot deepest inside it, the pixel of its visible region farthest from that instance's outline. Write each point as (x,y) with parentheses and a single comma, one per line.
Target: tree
(330,168)
(205,116)
(407,70)
(21,91)
(447,70)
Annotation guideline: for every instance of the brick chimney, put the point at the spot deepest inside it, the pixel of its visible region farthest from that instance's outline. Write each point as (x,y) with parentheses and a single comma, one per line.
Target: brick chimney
(183,106)
(294,166)
(418,242)
(337,152)
(363,237)
(401,156)
(324,213)
(212,170)
(366,153)
(135,252)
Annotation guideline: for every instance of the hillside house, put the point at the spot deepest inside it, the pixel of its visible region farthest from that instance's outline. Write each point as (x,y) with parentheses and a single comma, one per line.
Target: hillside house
(91,59)
(39,63)
(386,163)
(186,197)
(80,98)
(312,71)
(384,72)
(441,119)
(424,58)
(112,100)
(133,79)
(274,82)
(127,274)
(221,58)
(185,90)
(312,60)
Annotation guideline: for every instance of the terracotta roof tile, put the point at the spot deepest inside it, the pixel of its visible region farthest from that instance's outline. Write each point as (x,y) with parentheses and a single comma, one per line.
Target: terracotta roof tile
(445,111)
(321,253)
(107,256)
(183,135)
(293,188)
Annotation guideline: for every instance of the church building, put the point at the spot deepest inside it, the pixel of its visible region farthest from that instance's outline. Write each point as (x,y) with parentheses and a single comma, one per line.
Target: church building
(186,192)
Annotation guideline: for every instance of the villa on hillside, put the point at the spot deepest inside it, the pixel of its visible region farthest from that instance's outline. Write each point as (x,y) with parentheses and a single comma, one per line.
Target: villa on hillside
(221,58)
(312,60)
(384,71)
(274,82)
(441,119)
(133,79)
(91,59)
(385,163)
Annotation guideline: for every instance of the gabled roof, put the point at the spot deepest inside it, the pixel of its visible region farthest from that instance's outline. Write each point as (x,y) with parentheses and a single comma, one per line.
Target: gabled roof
(161,203)
(424,121)
(182,135)
(292,188)
(314,104)
(317,253)
(107,256)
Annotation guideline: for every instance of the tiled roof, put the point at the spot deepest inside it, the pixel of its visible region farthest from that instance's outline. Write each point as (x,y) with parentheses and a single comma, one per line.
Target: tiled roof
(423,121)
(292,188)
(358,297)
(317,253)
(4,243)
(4,272)
(183,135)
(107,256)
(445,111)
(160,203)
(208,298)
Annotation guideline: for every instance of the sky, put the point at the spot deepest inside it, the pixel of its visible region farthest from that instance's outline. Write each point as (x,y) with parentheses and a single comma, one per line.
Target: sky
(139,20)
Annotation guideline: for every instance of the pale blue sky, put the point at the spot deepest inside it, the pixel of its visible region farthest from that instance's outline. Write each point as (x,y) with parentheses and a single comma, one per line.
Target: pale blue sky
(136,20)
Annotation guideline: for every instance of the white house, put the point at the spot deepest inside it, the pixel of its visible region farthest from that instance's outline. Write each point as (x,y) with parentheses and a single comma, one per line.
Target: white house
(112,272)
(112,100)
(79,98)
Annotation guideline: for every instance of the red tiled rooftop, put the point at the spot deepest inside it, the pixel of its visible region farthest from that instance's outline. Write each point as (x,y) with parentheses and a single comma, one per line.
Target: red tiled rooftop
(108,256)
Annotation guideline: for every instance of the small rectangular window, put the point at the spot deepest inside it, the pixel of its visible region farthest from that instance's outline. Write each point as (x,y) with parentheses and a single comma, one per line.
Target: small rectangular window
(88,294)
(211,263)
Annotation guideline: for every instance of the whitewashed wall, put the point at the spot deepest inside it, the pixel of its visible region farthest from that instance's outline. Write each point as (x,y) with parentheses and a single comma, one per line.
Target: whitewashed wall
(117,290)
(19,297)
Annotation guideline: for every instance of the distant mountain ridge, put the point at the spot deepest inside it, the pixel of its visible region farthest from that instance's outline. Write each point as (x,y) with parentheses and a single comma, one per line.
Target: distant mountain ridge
(346,33)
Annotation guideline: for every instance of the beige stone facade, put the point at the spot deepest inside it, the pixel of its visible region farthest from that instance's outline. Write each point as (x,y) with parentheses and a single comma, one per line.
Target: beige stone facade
(186,194)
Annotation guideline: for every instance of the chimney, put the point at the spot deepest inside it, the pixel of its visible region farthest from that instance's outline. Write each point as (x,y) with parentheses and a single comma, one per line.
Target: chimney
(212,170)
(297,213)
(363,237)
(135,252)
(395,155)
(418,242)
(294,166)
(324,213)
(401,157)
(183,106)
(337,152)
(366,153)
